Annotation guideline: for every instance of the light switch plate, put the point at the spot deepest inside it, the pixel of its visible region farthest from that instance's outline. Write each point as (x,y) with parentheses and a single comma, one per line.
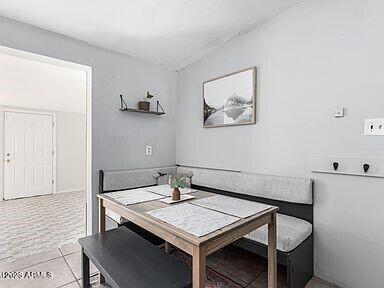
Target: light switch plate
(374,127)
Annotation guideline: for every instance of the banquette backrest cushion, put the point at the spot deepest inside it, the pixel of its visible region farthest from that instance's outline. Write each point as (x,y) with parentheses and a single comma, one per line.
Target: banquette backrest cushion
(288,189)
(127,179)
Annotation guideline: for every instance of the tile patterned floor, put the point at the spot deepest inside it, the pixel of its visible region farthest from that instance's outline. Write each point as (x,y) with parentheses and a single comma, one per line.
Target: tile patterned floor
(36,224)
(63,263)
(247,271)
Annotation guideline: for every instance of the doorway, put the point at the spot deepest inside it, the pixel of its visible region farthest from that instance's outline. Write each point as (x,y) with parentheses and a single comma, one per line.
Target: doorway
(29,154)
(38,140)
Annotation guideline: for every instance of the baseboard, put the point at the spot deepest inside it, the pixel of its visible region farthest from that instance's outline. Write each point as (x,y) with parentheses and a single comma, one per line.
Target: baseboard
(331,281)
(70,190)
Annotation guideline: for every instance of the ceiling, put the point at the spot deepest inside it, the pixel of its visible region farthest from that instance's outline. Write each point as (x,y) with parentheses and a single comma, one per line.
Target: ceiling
(174,33)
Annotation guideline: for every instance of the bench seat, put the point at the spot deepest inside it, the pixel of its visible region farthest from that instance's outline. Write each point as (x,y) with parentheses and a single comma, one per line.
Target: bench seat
(127,260)
(291,232)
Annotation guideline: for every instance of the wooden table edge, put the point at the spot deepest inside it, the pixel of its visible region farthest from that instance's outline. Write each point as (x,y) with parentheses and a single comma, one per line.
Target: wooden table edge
(190,238)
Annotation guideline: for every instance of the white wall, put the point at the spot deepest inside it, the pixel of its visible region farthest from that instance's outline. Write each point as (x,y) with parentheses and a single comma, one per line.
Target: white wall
(71,151)
(32,84)
(311,59)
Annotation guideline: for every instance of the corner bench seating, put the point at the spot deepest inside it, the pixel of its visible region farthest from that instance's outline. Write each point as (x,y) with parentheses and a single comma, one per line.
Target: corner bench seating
(127,260)
(292,232)
(293,196)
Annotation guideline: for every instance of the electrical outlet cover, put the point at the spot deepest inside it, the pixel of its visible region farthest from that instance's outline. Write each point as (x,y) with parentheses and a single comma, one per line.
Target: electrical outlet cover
(374,127)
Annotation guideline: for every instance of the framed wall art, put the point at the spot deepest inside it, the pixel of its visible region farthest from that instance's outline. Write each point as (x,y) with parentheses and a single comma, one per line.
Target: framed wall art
(231,99)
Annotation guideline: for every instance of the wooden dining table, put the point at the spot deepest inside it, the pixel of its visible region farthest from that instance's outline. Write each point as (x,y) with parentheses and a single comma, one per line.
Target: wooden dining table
(198,247)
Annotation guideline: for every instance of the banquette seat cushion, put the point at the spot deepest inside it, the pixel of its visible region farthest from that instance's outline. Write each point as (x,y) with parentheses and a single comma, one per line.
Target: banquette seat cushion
(291,232)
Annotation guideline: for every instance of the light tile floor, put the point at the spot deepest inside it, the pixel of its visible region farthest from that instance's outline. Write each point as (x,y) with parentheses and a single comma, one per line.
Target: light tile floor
(64,263)
(36,224)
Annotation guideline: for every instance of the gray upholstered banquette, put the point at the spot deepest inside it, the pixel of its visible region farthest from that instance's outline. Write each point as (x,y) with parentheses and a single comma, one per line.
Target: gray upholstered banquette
(293,196)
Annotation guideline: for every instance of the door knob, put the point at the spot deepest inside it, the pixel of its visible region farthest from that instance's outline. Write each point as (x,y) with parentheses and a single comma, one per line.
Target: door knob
(8,154)
(8,161)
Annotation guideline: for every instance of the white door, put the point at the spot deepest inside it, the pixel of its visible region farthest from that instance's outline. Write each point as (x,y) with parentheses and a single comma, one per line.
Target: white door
(28,155)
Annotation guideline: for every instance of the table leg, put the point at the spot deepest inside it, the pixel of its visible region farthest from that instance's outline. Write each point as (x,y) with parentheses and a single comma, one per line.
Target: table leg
(198,267)
(167,247)
(272,253)
(101,229)
(101,216)
(85,274)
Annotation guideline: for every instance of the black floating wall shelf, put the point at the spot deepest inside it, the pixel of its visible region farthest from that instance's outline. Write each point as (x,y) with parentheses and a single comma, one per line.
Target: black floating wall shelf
(123,107)
(142,111)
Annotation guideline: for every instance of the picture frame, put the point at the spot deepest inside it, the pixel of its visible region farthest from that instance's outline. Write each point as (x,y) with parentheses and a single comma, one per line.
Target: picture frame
(230,100)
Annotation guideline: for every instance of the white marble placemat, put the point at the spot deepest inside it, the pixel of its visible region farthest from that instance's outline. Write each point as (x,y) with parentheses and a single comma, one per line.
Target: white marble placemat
(232,206)
(134,196)
(166,190)
(193,219)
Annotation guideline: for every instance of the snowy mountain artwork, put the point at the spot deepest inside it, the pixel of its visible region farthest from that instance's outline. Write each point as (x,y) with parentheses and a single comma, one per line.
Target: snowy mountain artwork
(230,100)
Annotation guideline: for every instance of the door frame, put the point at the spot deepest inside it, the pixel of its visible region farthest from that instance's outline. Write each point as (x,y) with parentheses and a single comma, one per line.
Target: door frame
(3,110)
(88,71)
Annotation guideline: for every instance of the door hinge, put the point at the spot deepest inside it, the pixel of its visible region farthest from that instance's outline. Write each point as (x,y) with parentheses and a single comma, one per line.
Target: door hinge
(53,153)
(53,181)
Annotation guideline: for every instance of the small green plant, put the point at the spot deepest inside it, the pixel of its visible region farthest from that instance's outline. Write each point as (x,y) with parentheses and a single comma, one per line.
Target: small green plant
(177,181)
(149,96)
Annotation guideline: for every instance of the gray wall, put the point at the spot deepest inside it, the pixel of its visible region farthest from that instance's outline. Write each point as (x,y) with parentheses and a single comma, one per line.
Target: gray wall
(311,59)
(119,139)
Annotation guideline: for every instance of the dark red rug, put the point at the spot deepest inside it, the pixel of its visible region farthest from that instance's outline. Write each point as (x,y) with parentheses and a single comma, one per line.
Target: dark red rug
(214,278)
(233,267)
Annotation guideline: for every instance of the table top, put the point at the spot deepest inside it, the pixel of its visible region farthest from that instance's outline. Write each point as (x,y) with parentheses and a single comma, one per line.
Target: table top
(137,214)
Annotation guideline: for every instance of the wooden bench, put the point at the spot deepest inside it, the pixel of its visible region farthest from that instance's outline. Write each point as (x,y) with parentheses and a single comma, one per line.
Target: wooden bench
(127,260)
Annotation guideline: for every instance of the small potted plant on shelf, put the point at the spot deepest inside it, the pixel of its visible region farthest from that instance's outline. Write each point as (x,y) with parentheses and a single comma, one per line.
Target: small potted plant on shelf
(177,181)
(145,104)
